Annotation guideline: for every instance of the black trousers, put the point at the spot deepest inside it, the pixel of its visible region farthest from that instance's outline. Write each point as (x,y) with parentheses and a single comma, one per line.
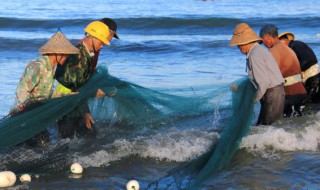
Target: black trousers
(293,103)
(272,105)
(313,89)
(73,125)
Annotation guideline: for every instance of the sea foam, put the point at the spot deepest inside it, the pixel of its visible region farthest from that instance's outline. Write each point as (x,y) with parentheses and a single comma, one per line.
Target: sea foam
(172,145)
(304,137)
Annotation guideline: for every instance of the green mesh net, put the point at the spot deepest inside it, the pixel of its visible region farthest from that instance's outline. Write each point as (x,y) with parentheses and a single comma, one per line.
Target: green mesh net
(239,126)
(133,106)
(192,174)
(44,160)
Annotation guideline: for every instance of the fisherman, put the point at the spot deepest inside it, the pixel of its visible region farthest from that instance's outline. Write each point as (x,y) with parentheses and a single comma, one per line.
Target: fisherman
(71,77)
(308,64)
(290,69)
(263,72)
(36,82)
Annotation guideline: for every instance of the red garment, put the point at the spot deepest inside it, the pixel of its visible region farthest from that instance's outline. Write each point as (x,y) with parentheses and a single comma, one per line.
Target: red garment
(289,66)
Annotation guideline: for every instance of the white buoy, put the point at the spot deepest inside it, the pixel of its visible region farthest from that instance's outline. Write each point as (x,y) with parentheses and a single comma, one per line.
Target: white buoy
(76,168)
(133,185)
(25,178)
(7,178)
(318,35)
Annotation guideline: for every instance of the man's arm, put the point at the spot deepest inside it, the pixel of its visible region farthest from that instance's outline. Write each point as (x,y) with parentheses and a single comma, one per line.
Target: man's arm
(28,81)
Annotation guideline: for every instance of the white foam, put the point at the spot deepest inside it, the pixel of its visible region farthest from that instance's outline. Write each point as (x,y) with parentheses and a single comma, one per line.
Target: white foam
(183,145)
(179,145)
(266,138)
(173,145)
(118,149)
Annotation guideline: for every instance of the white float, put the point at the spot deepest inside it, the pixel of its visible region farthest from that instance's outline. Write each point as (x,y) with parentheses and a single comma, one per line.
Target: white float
(25,178)
(7,178)
(76,168)
(133,185)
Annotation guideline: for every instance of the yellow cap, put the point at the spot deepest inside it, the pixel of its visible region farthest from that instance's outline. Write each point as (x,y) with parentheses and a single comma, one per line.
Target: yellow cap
(99,30)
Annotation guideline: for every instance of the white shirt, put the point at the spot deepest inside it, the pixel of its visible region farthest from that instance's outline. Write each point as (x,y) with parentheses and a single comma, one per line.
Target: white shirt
(263,70)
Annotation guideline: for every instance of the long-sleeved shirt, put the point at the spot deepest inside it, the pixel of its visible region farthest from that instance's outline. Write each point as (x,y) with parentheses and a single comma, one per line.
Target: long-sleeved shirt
(289,66)
(305,54)
(263,70)
(36,81)
(77,69)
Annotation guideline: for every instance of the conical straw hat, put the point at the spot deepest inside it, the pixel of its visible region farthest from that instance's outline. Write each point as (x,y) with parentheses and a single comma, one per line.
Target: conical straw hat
(58,44)
(242,35)
(290,35)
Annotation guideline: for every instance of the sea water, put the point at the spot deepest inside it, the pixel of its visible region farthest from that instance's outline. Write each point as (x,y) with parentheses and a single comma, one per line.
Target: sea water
(168,45)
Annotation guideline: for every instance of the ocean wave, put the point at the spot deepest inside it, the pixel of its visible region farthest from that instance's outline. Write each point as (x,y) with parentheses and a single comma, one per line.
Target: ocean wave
(266,140)
(39,24)
(189,24)
(24,44)
(173,145)
(16,41)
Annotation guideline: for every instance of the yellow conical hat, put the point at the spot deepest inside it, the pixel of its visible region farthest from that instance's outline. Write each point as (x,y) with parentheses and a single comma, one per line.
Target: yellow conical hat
(243,34)
(289,35)
(58,44)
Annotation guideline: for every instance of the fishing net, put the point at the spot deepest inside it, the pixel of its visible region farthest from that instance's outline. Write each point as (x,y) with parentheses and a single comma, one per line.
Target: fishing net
(44,160)
(192,174)
(133,106)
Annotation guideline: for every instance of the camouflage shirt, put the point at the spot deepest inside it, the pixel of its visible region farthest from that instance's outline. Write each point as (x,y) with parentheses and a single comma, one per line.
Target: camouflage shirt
(36,82)
(77,69)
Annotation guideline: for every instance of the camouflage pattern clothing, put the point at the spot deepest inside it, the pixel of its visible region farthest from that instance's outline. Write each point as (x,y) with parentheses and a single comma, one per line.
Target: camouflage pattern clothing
(73,74)
(36,82)
(77,70)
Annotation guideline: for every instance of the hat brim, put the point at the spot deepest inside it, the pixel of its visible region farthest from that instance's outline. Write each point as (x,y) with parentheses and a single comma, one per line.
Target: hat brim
(116,35)
(289,35)
(238,40)
(58,44)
